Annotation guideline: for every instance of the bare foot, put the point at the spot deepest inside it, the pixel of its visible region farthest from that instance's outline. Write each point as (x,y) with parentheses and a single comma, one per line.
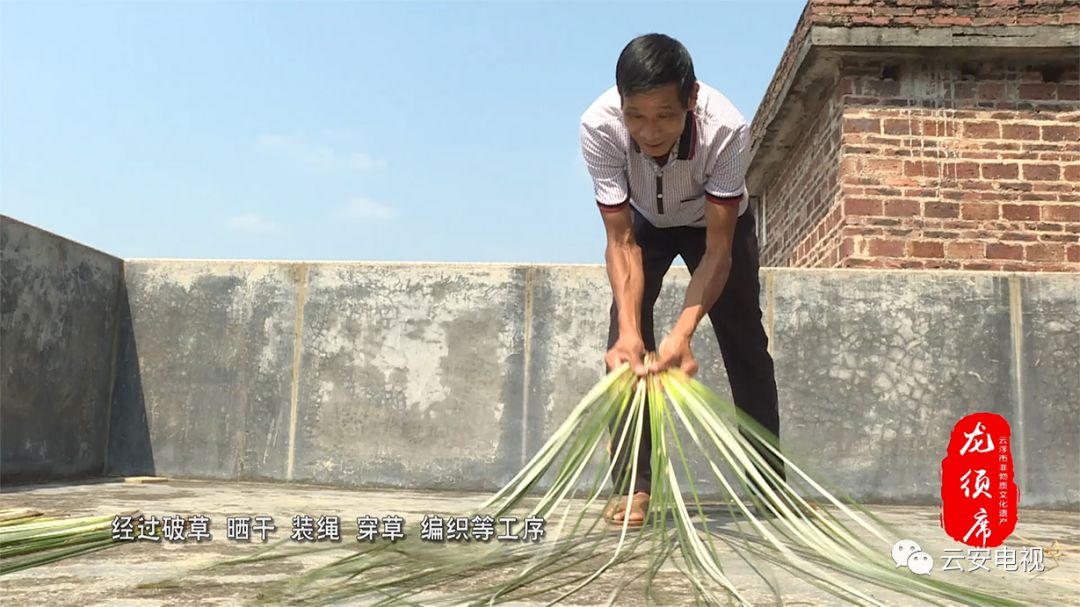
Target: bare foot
(639,506)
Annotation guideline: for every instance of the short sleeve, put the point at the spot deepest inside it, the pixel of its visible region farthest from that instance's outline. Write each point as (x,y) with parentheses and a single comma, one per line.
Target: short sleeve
(727,179)
(606,165)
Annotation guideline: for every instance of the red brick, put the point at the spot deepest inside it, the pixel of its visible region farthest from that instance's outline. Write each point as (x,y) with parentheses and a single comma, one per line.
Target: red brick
(1060,132)
(942,209)
(1000,171)
(916,21)
(900,207)
(862,206)
(964,250)
(886,248)
(1020,212)
(982,130)
(862,125)
(1072,173)
(974,210)
(1068,92)
(1072,253)
(920,193)
(939,128)
(951,20)
(927,248)
(1044,252)
(998,250)
(1070,238)
(976,265)
(867,20)
(1019,236)
(997,196)
(1024,132)
(939,234)
(1037,90)
(883,166)
(959,195)
(847,247)
(961,170)
(921,168)
(1042,172)
(896,126)
(1060,212)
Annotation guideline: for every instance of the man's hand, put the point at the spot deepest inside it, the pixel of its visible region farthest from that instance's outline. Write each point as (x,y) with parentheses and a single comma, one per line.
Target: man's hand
(675,352)
(627,349)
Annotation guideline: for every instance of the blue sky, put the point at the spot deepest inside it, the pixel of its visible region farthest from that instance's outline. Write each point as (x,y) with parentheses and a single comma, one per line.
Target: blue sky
(410,131)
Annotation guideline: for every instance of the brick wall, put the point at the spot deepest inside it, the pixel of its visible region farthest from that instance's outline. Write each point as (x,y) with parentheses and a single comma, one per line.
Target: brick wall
(801,218)
(934,164)
(917,159)
(964,167)
(942,13)
(910,14)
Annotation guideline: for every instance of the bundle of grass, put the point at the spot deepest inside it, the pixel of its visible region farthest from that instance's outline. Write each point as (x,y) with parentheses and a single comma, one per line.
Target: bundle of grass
(28,539)
(780,524)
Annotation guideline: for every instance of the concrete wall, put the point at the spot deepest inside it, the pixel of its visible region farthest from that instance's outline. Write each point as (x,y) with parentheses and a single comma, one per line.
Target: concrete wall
(451,376)
(58,318)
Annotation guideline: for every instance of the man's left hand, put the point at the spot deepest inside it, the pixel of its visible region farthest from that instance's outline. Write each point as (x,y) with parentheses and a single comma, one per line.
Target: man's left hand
(675,352)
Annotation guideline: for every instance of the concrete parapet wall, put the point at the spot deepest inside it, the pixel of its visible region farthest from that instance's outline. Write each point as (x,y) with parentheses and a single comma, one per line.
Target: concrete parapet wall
(452,376)
(58,316)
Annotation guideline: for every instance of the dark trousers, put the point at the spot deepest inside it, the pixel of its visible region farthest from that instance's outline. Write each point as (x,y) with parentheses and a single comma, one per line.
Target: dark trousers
(736,320)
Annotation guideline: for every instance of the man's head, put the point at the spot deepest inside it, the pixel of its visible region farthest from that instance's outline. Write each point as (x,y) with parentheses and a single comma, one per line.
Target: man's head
(656,82)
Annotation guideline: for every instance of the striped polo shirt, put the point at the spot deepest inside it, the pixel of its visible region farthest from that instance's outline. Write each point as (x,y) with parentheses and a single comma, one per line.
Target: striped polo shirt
(707,164)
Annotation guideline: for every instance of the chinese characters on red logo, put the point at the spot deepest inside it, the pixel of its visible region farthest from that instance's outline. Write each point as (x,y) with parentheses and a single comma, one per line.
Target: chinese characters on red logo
(978,493)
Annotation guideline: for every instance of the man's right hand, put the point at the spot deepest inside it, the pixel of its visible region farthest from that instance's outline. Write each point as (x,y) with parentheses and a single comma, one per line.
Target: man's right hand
(629,349)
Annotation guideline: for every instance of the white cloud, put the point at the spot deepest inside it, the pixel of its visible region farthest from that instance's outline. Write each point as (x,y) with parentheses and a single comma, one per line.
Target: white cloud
(365,209)
(253,223)
(317,156)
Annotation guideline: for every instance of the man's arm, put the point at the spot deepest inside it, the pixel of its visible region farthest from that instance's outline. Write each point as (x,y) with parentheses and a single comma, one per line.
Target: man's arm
(706,285)
(627,277)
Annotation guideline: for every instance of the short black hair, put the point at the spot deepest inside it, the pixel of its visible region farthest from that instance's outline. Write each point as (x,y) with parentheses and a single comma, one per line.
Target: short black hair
(651,61)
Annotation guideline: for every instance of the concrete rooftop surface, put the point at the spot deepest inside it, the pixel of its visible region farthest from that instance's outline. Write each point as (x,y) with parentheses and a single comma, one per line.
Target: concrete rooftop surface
(111,577)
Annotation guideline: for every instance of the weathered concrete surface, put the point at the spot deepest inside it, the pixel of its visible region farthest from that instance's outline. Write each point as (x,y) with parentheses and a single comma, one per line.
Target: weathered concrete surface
(452,376)
(111,577)
(208,364)
(1049,394)
(411,375)
(874,369)
(58,317)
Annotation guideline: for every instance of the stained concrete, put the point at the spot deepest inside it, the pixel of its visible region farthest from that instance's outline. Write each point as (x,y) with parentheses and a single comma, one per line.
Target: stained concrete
(411,376)
(112,577)
(1049,390)
(451,376)
(874,369)
(208,364)
(58,317)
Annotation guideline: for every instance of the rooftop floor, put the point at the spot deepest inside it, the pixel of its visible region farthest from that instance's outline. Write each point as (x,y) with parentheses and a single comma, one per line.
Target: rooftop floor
(111,577)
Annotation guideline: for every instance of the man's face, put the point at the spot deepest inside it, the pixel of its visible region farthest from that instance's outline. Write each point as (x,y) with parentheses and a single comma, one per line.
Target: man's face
(656,118)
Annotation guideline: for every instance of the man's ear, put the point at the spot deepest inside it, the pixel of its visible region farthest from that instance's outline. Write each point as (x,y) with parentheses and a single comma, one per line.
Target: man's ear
(693,96)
